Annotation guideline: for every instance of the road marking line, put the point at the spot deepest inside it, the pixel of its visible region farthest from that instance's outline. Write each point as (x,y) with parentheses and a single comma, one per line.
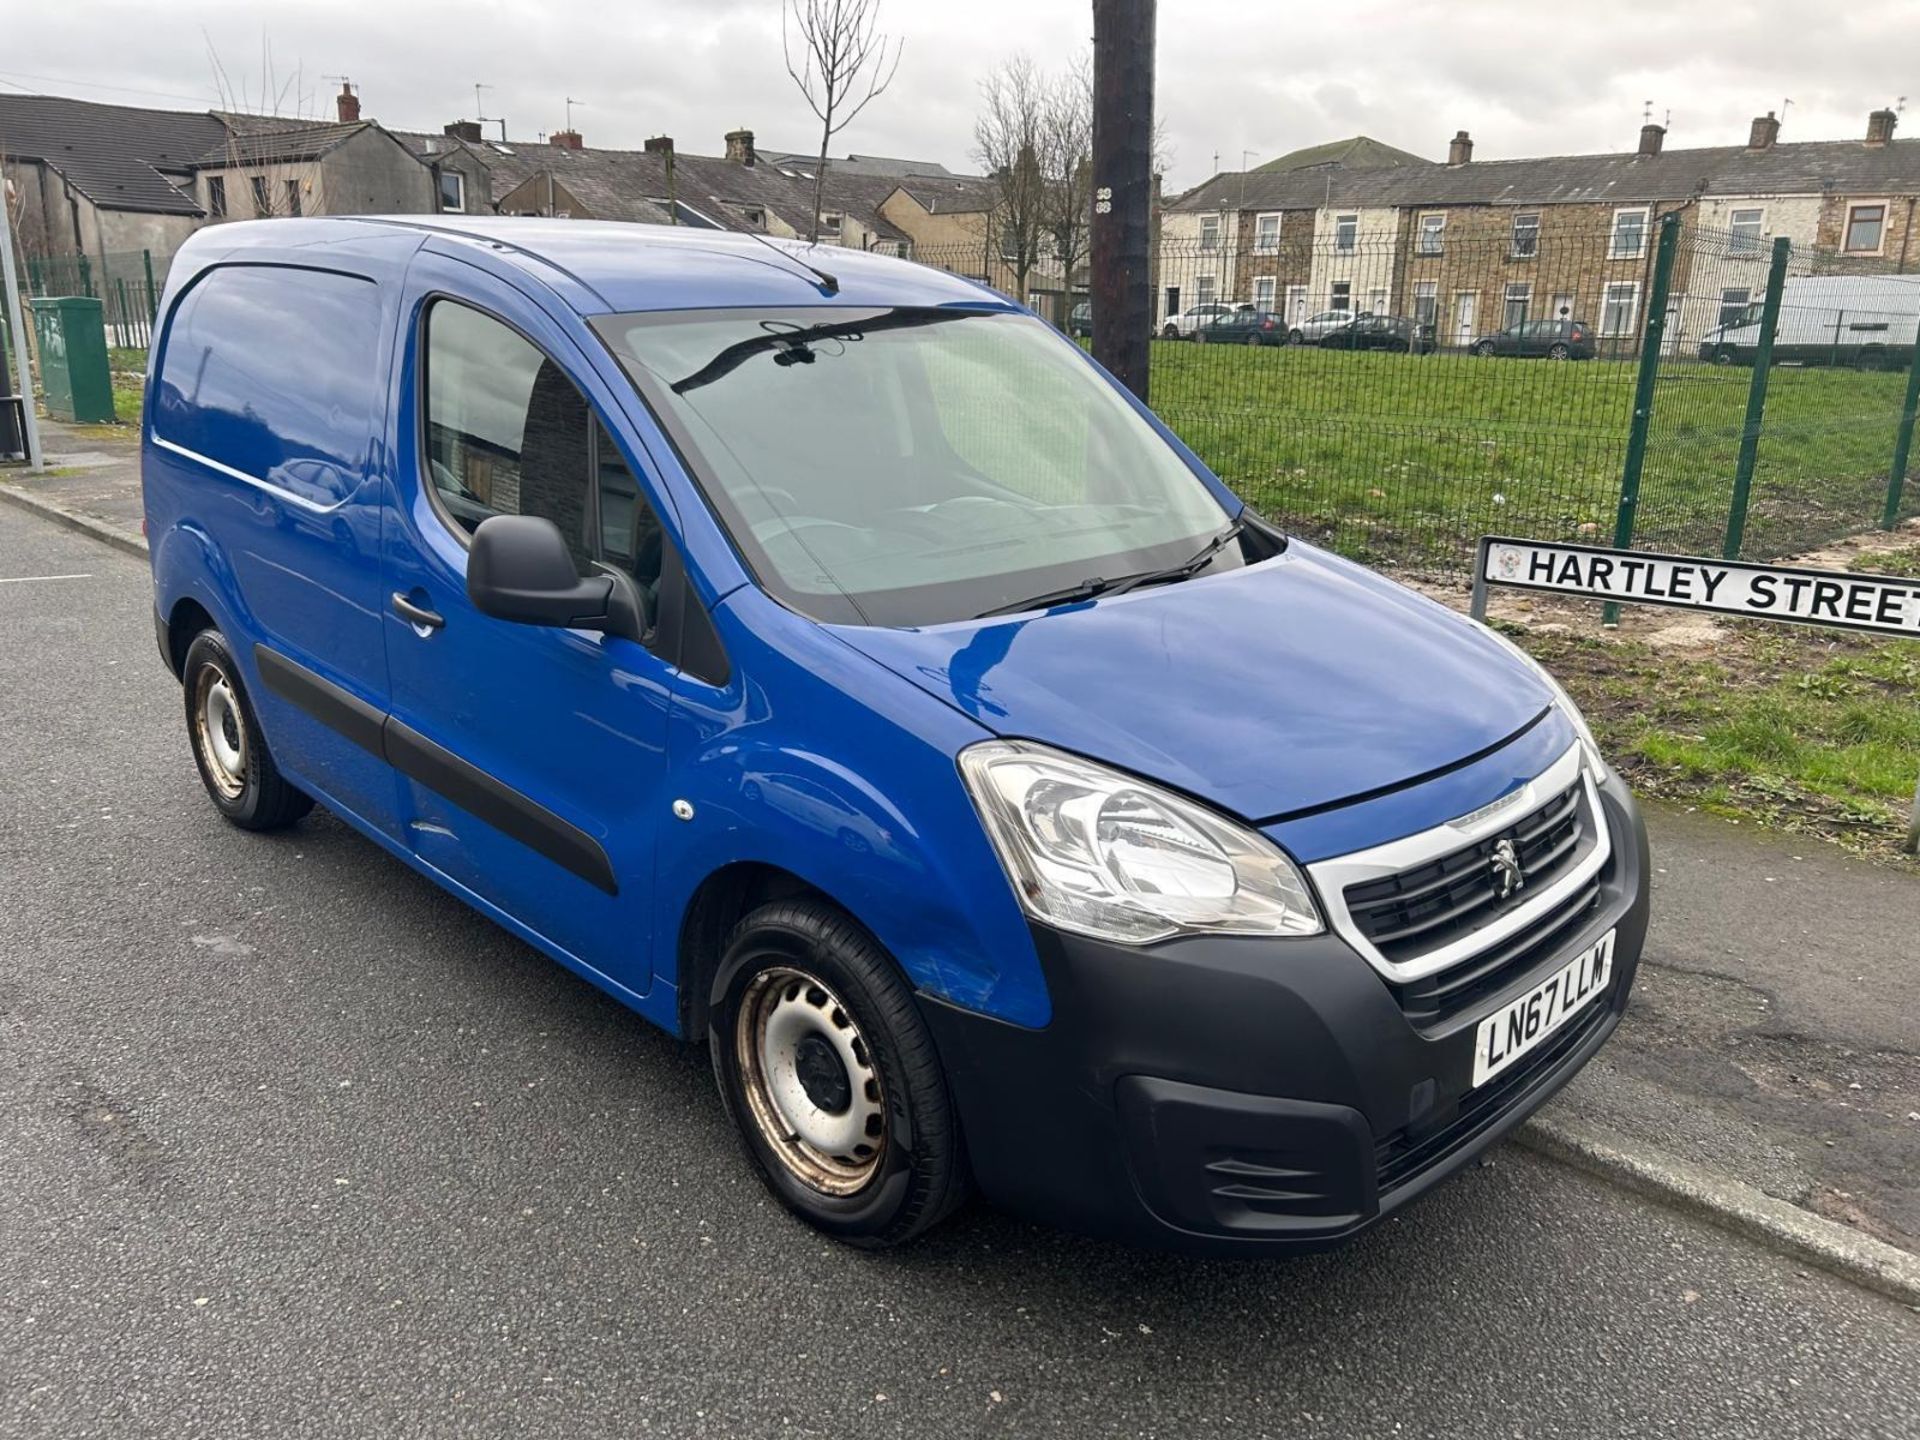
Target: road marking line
(30,579)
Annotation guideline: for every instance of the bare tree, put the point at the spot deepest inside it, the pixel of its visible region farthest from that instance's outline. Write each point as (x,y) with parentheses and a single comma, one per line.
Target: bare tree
(843,67)
(1066,164)
(262,178)
(1007,141)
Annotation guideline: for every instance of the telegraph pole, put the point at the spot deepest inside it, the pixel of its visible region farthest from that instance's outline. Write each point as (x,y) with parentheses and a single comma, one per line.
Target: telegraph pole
(1122,290)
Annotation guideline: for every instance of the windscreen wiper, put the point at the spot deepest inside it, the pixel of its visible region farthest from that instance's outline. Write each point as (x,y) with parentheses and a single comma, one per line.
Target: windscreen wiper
(794,342)
(1187,569)
(1085,590)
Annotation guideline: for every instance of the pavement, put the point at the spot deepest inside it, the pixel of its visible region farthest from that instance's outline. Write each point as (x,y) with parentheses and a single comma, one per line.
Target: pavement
(290,1140)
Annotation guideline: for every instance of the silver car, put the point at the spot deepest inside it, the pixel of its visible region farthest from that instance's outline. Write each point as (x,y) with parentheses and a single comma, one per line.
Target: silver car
(1315,328)
(1182,326)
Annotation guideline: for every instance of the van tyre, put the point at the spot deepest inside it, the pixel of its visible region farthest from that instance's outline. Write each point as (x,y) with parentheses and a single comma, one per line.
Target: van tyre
(832,1078)
(231,753)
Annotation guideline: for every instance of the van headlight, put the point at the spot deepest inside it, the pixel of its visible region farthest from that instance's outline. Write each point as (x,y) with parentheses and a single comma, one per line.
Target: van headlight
(1596,762)
(1102,853)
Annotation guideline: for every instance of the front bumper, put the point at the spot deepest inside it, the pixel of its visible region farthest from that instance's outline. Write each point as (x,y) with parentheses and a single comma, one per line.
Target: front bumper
(1230,1093)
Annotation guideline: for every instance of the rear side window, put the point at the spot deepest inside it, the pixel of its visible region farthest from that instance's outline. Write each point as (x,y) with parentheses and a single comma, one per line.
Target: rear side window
(509,434)
(274,372)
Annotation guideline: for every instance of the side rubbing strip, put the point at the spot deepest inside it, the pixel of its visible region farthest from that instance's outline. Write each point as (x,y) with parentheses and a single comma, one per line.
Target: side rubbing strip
(438,768)
(506,809)
(325,701)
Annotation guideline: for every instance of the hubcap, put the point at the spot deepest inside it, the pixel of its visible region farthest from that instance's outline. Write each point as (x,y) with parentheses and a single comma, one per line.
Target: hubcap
(221,738)
(810,1082)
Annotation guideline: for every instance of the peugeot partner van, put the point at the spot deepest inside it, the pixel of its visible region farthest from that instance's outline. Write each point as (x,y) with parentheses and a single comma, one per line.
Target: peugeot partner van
(823,656)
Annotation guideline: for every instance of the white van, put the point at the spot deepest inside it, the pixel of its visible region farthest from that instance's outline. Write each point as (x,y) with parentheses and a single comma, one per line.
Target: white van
(1866,321)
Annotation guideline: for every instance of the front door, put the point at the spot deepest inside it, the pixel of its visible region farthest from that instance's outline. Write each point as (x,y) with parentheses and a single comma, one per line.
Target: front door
(532,759)
(1463,307)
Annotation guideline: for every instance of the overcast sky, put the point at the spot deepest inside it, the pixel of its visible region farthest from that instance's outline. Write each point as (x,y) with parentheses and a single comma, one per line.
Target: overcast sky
(1526,78)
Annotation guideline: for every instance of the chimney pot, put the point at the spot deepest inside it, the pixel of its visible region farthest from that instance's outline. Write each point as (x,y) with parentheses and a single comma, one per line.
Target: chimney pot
(1880,126)
(740,146)
(566,139)
(1650,138)
(468,130)
(1766,130)
(1460,150)
(347,103)
(660,145)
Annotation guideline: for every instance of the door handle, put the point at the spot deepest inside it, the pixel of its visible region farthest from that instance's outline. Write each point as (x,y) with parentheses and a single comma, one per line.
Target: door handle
(417,614)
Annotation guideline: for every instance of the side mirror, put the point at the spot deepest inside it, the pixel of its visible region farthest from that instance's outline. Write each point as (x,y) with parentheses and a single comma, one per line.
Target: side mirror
(520,569)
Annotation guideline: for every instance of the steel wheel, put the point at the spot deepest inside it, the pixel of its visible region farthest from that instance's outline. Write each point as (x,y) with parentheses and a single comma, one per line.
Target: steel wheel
(218,732)
(810,1082)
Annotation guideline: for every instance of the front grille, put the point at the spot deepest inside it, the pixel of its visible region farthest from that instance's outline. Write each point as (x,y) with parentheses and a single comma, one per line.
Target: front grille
(1406,1153)
(1440,902)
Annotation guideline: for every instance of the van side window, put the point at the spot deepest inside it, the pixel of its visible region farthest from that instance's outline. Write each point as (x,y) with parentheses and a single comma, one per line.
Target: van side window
(509,434)
(271,370)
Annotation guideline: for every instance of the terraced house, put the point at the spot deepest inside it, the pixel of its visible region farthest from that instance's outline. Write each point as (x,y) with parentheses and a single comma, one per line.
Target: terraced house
(1471,246)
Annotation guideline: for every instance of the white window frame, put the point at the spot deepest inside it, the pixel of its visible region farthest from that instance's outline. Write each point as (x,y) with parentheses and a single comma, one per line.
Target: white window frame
(1524,295)
(1209,232)
(1614,252)
(1264,289)
(1350,223)
(1334,296)
(1430,239)
(1738,243)
(832,222)
(1633,306)
(1205,292)
(1846,228)
(459,190)
(1513,236)
(1266,244)
(1427,292)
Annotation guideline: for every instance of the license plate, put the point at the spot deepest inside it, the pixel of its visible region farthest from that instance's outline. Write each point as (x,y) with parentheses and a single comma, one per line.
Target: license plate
(1510,1032)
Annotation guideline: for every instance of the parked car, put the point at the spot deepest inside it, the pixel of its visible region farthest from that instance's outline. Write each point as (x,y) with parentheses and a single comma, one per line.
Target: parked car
(1080,321)
(1382,332)
(1549,339)
(1245,326)
(1866,321)
(1315,328)
(1090,842)
(1182,326)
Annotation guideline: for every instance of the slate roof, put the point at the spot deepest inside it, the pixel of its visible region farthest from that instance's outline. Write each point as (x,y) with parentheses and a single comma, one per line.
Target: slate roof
(1848,167)
(871,166)
(1357,152)
(305,141)
(118,156)
(951,195)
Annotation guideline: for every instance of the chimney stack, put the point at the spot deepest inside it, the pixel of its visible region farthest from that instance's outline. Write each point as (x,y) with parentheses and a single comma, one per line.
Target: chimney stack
(1460,151)
(660,145)
(1880,127)
(348,104)
(740,146)
(1766,130)
(1650,138)
(566,139)
(468,130)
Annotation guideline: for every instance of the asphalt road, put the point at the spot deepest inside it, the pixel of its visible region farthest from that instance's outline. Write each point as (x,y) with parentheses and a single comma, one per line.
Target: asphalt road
(290,1142)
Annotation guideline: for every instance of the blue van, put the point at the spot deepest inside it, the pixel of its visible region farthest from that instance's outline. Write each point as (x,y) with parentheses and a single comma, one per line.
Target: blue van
(824,657)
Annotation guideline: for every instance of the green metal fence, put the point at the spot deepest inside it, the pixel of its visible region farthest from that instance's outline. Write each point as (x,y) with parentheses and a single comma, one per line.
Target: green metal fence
(126,282)
(1395,390)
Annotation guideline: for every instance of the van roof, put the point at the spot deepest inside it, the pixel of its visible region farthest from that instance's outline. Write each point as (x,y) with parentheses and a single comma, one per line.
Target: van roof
(606,265)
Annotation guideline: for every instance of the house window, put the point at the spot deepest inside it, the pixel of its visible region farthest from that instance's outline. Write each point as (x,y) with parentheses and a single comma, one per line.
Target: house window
(1433,235)
(1866,229)
(453,191)
(756,218)
(1263,288)
(1342,295)
(293,197)
(1526,234)
(830,224)
(1266,233)
(1426,301)
(1346,229)
(217,196)
(1202,290)
(1519,297)
(1619,303)
(1629,235)
(262,197)
(1734,301)
(1744,231)
(1209,232)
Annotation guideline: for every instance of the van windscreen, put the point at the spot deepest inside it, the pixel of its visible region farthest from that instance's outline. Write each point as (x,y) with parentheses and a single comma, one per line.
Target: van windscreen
(912,466)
